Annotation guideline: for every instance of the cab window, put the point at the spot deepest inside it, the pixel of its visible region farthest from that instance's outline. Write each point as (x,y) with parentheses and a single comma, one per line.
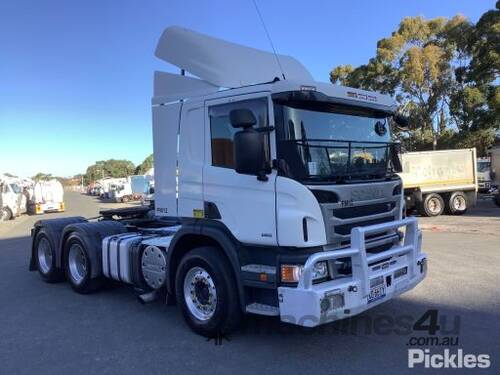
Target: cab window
(222,133)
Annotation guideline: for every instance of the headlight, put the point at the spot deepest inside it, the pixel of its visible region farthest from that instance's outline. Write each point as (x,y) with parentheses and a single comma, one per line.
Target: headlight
(290,273)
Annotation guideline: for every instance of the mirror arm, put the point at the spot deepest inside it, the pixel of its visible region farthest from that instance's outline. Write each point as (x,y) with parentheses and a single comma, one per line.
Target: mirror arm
(262,176)
(265,129)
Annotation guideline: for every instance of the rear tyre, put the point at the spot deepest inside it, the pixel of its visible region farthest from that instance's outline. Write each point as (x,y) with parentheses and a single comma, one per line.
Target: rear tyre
(206,292)
(432,205)
(78,267)
(457,203)
(45,253)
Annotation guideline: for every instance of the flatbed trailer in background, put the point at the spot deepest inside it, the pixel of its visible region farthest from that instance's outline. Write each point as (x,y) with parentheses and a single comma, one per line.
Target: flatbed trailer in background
(440,181)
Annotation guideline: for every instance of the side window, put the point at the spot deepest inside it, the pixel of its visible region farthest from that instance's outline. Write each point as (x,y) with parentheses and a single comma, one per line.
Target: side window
(222,133)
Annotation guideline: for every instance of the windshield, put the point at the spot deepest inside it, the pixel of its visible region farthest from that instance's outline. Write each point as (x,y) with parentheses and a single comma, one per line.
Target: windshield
(483,166)
(334,142)
(15,188)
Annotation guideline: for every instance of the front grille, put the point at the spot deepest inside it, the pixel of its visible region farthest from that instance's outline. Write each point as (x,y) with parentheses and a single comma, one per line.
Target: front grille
(358,211)
(345,229)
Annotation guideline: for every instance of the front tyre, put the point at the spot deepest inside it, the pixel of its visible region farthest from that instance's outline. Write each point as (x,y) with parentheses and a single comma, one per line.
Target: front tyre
(206,292)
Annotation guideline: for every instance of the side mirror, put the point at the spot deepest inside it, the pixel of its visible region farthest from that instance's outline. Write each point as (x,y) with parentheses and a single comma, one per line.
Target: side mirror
(403,122)
(395,150)
(249,153)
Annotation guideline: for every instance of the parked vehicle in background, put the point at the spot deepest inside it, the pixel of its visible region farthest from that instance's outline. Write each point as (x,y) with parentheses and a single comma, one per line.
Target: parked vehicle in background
(13,202)
(440,181)
(107,185)
(494,154)
(484,175)
(48,196)
(133,189)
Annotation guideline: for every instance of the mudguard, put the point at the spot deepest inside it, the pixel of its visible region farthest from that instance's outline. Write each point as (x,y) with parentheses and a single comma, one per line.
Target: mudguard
(55,229)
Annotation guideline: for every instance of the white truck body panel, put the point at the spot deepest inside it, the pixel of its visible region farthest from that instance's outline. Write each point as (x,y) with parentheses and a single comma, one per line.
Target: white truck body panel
(435,171)
(191,158)
(165,142)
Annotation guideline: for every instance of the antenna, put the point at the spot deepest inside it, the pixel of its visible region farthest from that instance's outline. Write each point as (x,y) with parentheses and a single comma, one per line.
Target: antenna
(269,38)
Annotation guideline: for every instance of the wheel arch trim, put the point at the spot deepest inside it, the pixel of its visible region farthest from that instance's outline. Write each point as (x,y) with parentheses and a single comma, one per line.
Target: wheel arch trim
(216,236)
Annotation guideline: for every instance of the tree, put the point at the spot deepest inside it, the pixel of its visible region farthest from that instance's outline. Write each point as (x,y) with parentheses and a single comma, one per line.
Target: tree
(109,168)
(441,72)
(42,176)
(145,166)
(415,65)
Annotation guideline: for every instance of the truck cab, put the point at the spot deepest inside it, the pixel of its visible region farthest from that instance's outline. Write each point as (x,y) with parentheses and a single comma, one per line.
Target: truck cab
(484,180)
(13,201)
(274,195)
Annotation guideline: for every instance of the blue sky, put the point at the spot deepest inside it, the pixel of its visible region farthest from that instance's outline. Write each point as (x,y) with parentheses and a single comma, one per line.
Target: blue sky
(76,76)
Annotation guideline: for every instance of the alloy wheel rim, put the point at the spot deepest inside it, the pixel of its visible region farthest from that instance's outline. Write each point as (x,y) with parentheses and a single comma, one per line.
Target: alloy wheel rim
(44,255)
(77,261)
(200,293)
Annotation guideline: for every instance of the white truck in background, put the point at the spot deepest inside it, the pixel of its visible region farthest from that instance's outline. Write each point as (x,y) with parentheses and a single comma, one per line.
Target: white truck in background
(13,198)
(275,195)
(48,196)
(132,189)
(494,154)
(440,181)
(484,180)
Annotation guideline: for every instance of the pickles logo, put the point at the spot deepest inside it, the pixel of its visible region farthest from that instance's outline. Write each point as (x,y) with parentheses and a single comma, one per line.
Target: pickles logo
(448,359)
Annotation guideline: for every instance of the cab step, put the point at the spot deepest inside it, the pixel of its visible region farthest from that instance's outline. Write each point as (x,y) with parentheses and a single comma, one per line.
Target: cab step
(262,309)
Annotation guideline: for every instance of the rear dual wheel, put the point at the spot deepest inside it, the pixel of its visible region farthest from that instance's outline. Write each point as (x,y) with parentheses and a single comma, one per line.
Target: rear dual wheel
(78,267)
(432,205)
(457,203)
(45,253)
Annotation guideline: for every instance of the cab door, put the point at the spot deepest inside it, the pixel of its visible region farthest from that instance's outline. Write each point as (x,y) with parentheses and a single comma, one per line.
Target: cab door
(245,204)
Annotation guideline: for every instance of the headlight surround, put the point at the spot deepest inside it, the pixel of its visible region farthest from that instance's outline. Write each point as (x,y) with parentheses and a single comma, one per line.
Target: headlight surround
(290,273)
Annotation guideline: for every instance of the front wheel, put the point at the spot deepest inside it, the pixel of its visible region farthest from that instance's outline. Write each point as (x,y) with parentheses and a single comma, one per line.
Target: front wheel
(457,203)
(206,292)
(5,214)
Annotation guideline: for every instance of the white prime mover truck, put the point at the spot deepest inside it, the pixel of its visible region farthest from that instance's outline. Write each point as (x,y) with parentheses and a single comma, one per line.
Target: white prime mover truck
(440,181)
(274,195)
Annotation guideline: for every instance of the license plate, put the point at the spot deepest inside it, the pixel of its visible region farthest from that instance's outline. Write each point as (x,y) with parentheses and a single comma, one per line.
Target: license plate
(376,293)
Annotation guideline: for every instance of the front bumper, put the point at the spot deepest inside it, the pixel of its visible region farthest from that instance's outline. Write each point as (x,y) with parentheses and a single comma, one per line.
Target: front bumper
(397,270)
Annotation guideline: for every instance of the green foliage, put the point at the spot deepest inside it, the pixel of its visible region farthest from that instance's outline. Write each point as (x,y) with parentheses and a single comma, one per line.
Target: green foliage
(109,168)
(145,166)
(42,176)
(443,73)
